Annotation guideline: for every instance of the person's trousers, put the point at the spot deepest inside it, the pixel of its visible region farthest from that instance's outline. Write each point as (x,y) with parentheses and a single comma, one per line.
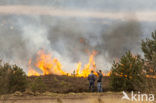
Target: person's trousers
(99,86)
(91,86)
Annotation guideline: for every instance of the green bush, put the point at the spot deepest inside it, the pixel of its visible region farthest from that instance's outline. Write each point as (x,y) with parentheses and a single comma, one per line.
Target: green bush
(4,78)
(127,74)
(12,78)
(37,85)
(17,79)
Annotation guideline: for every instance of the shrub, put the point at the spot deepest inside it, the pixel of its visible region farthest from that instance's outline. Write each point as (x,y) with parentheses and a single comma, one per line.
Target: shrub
(12,78)
(127,74)
(17,79)
(37,85)
(4,78)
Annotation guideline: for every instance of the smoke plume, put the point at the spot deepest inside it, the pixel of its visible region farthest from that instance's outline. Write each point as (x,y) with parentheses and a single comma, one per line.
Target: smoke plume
(120,38)
(70,39)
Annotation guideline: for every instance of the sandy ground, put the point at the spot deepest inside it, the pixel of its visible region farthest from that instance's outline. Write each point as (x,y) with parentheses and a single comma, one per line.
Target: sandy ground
(67,98)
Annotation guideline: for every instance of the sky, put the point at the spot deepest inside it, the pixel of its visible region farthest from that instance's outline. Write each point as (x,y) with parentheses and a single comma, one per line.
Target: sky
(59,27)
(103,5)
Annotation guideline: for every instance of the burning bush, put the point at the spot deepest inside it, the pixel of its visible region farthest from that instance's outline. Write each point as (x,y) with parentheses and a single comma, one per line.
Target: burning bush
(12,78)
(127,74)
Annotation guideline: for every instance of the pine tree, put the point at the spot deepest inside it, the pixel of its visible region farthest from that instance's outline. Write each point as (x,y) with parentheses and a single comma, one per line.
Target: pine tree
(12,78)
(127,74)
(149,49)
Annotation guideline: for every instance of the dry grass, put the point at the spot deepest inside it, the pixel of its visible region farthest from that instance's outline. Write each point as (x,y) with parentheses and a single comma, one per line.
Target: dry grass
(63,89)
(69,98)
(65,84)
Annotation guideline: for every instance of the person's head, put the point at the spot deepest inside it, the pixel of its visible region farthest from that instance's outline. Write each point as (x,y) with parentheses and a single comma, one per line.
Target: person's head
(100,71)
(92,71)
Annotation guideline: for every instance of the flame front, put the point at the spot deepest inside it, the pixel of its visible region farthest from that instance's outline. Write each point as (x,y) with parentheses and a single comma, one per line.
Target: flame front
(87,68)
(48,65)
(32,72)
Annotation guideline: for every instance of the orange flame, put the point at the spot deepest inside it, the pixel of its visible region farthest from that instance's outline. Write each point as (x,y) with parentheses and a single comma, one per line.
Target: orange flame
(49,65)
(46,64)
(87,68)
(108,74)
(32,72)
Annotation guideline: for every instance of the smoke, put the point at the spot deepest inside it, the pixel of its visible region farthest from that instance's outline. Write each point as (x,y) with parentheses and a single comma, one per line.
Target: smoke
(73,40)
(120,38)
(70,38)
(12,45)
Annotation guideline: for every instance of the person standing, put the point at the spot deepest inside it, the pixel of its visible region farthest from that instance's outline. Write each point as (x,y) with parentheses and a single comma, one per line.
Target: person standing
(91,79)
(99,81)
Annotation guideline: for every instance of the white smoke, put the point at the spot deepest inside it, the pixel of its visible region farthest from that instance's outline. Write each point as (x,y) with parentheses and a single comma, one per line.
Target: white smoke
(68,34)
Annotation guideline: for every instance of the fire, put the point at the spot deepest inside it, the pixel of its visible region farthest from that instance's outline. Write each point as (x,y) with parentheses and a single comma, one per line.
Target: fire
(87,68)
(45,64)
(108,74)
(48,65)
(151,76)
(78,69)
(33,72)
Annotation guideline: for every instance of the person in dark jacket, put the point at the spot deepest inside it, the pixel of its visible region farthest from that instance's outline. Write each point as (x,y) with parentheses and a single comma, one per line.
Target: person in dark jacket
(99,81)
(91,79)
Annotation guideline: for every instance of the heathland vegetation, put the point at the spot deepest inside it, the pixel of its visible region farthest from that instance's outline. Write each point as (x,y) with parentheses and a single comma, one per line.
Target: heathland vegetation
(130,72)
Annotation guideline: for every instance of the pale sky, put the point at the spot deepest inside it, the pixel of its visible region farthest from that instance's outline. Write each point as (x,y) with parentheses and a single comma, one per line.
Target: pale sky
(104,5)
